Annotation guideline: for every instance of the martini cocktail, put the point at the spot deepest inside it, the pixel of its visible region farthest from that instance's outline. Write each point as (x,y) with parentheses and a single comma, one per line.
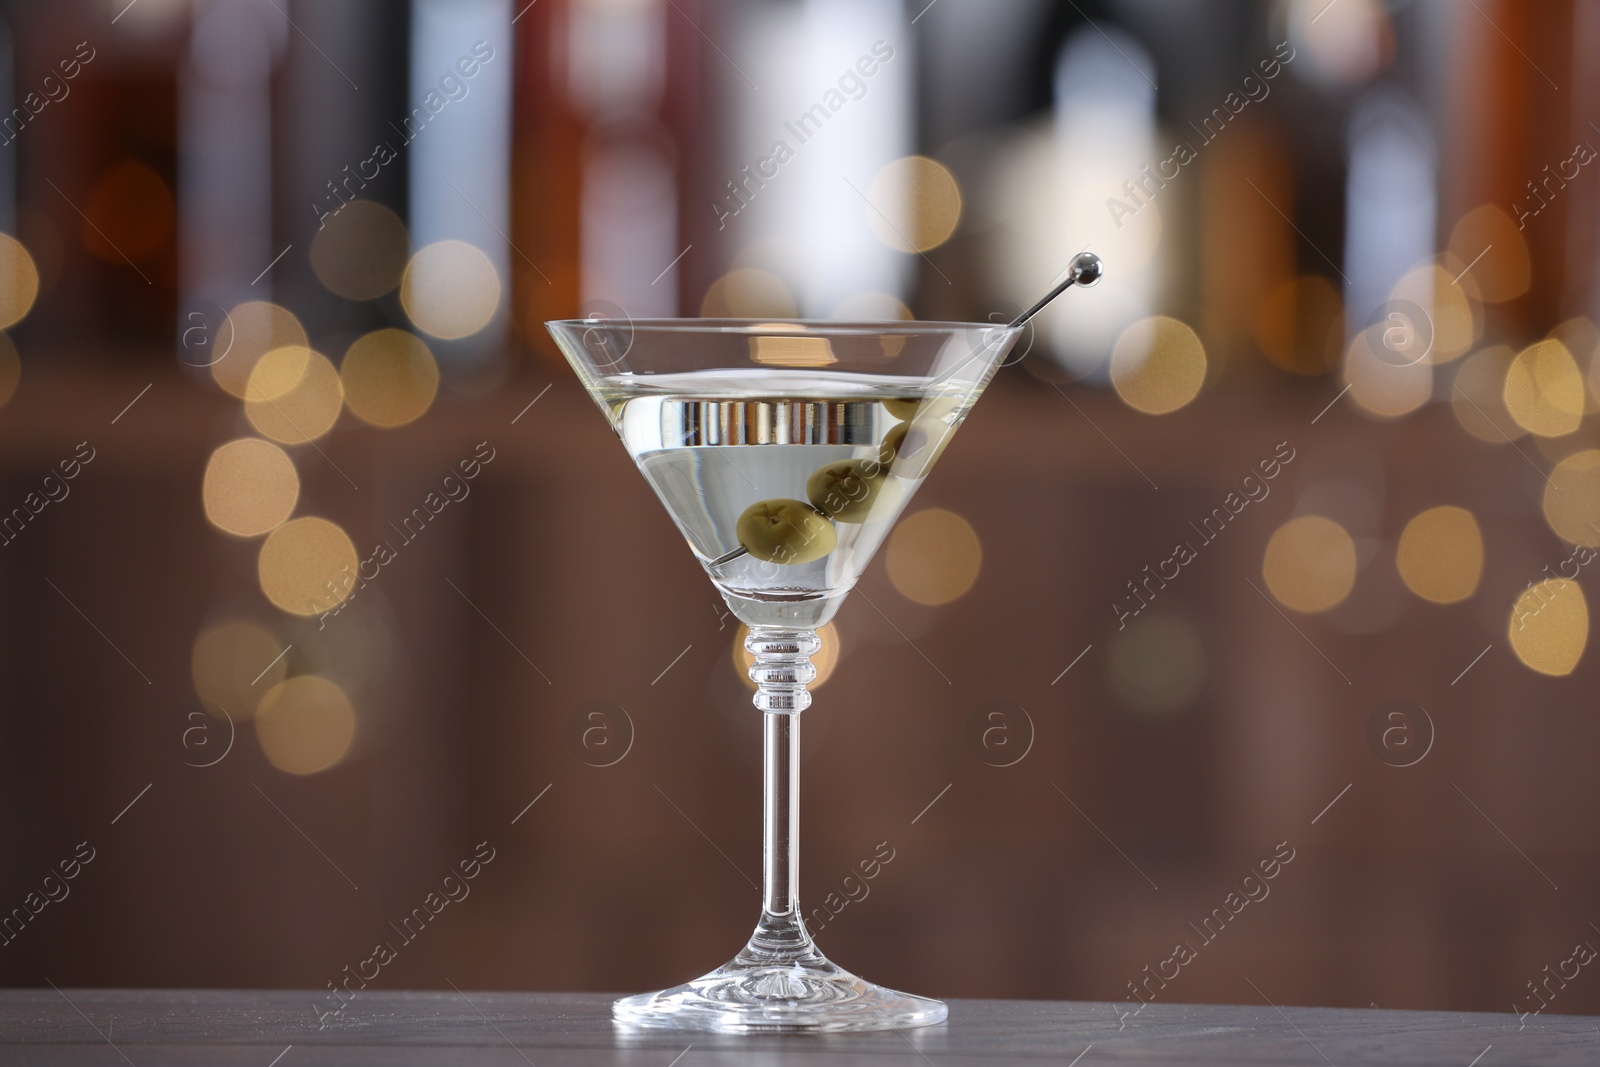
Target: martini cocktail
(784,451)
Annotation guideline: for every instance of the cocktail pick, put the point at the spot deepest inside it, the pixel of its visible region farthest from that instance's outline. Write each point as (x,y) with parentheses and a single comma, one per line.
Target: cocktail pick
(1084,270)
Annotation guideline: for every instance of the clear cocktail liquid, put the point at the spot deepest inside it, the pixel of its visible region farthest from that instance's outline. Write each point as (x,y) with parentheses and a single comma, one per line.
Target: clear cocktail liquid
(714,443)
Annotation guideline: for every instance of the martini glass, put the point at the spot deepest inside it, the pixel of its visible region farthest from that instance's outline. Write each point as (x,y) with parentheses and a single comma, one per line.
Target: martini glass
(784,451)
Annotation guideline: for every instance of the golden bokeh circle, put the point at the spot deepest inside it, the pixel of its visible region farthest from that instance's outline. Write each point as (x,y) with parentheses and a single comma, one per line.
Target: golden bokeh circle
(233,663)
(390,378)
(913,204)
(1572,499)
(278,373)
(748,293)
(307,566)
(1310,564)
(1453,323)
(255,327)
(1383,387)
(826,659)
(10,369)
(1549,626)
(305,724)
(250,487)
(1158,365)
(294,395)
(934,557)
(450,289)
(1300,326)
(1582,339)
(1544,390)
(360,252)
(1495,265)
(1440,555)
(19,281)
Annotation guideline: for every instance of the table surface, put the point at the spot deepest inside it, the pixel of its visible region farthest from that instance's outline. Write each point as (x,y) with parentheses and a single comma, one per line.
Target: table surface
(279,1028)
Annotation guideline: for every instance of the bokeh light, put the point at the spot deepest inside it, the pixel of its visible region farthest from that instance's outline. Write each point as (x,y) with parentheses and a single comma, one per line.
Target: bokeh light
(1572,499)
(1495,265)
(1382,385)
(1440,555)
(360,252)
(1158,666)
(934,556)
(294,395)
(10,369)
(1581,338)
(748,293)
(250,487)
(826,659)
(1300,326)
(1544,390)
(1310,564)
(305,724)
(1549,626)
(256,327)
(1344,43)
(1452,323)
(450,289)
(307,566)
(1158,365)
(1477,396)
(19,281)
(128,215)
(389,378)
(234,663)
(913,204)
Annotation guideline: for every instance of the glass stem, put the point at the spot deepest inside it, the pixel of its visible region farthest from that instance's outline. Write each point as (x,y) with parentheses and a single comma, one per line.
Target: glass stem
(782,669)
(781,816)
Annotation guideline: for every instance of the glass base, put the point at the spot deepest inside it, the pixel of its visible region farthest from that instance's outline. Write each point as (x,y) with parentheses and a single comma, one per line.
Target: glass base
(762,991)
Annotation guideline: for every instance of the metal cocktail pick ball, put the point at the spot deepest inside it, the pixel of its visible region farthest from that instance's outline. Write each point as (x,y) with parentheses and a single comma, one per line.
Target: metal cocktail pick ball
(1084,270)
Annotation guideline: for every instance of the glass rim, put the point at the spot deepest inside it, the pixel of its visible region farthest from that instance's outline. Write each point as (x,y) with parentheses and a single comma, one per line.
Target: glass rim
(775,326)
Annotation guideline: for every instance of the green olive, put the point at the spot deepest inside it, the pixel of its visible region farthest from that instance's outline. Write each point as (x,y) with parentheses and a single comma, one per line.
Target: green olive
(891,443)
(785,531)
(852,490)
(922,442)
(932,407)
(903,409)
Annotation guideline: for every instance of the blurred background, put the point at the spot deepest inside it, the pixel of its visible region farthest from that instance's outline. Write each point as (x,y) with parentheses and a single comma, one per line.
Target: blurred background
(1267,555)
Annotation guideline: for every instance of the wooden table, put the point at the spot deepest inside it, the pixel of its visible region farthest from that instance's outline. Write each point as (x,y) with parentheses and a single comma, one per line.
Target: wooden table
(278,1028)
